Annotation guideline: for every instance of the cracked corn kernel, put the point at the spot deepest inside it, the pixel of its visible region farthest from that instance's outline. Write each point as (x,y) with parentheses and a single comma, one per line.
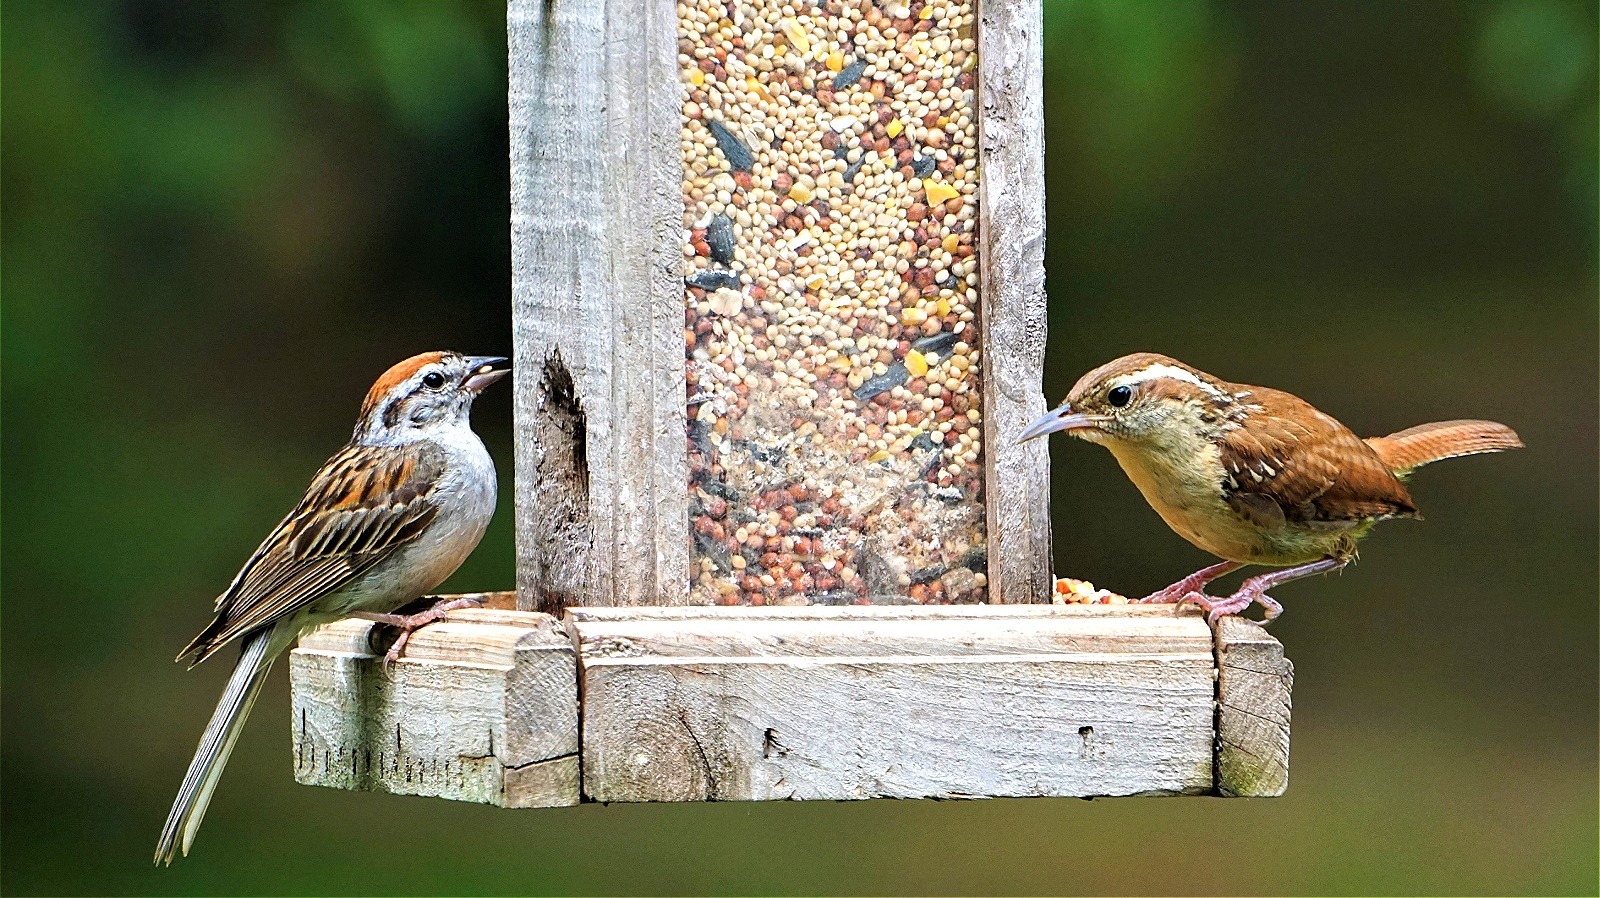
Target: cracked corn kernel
(796,35)
(938,192)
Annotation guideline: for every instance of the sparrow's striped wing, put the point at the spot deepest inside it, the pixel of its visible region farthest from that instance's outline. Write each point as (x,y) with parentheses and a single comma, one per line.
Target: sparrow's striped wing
(362,505)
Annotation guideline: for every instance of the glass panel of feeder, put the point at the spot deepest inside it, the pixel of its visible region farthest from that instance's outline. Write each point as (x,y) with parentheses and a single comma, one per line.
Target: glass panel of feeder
(830,185)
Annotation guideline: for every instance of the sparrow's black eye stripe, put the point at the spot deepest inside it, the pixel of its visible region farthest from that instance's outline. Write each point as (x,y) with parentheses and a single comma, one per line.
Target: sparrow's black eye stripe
(1120,396)
(433,380)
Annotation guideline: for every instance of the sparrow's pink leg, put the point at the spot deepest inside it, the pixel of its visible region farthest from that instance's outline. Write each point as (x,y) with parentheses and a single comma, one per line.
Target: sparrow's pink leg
(1194,583)
(410,623)
(1255,590)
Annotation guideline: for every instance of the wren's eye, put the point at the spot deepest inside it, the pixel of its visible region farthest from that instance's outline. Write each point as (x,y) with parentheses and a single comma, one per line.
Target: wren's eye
(1119,396)
(433,380)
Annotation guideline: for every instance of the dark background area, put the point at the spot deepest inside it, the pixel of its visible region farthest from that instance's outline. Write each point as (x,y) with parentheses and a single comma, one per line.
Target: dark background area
(221,222)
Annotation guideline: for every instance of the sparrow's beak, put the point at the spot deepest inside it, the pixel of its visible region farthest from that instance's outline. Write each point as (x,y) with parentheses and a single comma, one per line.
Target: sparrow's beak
(485,371)
(1061,417)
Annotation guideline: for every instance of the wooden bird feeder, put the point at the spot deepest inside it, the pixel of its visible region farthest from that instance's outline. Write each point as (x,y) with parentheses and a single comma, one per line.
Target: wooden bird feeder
(779,317)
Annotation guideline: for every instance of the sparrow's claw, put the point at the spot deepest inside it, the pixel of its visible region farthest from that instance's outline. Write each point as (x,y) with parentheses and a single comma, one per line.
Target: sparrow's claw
(410,623)
(394,652)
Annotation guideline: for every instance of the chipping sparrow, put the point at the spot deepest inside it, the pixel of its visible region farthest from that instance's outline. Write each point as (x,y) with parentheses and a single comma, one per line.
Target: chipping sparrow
(386,519)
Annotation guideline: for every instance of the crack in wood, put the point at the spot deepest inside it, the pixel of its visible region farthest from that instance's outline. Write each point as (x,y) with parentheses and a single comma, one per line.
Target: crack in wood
(705,760)
(1278,720)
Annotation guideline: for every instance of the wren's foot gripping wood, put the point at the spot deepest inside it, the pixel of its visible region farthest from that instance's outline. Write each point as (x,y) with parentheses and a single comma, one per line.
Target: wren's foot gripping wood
(902,702)
(481,708)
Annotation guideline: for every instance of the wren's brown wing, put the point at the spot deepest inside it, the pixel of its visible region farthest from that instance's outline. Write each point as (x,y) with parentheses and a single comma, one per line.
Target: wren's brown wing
(1293,464)
(362,505)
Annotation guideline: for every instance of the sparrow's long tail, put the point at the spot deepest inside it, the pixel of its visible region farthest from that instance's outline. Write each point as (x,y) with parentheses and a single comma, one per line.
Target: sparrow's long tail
(216,743)
(1414,447)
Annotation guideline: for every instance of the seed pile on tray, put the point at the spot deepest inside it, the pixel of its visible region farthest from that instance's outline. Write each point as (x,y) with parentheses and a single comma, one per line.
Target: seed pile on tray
(830,186)
(1070,591)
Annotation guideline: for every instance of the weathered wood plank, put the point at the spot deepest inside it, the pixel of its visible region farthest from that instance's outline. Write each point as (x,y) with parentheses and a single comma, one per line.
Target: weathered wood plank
(819,702)
(483,708)
(596,221)
(893,636)
(872,612)
(696,709)
(1011,287)
(1254,684)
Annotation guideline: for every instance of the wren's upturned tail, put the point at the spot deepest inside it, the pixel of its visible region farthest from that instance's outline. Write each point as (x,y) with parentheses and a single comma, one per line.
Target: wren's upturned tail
(1425,444)
(1251,474)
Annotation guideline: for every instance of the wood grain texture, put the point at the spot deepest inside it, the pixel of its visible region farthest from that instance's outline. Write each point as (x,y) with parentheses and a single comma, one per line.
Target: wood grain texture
(1011,287)
(686,704)
(872,612)
(1254,684)
(482,708)
(702,708)
(596,232)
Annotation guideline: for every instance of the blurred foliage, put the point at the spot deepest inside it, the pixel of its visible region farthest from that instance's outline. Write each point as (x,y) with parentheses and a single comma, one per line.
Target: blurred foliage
(220,221)
(1146,81)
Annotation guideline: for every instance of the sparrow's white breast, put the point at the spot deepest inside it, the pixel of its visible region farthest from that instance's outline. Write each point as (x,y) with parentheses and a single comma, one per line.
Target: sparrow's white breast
(465,498)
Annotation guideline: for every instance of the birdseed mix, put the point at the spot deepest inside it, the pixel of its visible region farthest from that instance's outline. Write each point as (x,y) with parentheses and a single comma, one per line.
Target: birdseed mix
(830,187)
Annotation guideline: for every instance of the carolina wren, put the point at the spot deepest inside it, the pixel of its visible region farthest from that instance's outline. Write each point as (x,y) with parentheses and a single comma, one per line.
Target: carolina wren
(1251,474)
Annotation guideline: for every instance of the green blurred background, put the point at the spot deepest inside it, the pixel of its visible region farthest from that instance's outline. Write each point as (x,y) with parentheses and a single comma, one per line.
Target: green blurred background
(222,221)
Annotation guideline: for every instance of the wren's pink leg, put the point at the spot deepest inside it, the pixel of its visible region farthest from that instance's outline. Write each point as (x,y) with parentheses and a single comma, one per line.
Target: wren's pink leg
(410,623)
(1194,583)
(1255,590)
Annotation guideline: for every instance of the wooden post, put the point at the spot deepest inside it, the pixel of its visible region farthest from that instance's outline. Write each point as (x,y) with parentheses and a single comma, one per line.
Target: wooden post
(597,308)
(1011,209)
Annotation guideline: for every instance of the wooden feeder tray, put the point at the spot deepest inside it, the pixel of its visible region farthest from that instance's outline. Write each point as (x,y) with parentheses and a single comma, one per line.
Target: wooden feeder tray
(519,709)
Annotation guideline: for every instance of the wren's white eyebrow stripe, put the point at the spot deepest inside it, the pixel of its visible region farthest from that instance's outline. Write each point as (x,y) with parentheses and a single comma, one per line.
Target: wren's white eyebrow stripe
(1159,370)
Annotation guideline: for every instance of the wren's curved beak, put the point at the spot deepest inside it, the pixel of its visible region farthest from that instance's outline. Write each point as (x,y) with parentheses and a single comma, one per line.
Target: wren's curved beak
(485,371)
(1062,417)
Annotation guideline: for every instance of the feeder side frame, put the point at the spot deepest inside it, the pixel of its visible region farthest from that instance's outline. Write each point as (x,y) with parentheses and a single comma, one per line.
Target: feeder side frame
(596,233)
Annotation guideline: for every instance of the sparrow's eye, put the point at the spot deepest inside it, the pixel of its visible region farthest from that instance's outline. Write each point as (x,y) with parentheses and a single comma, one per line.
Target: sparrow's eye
(433,380)
(1119,396)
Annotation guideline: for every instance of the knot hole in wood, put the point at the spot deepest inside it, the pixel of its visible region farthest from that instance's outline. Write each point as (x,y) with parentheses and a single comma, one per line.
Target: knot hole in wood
(563,530)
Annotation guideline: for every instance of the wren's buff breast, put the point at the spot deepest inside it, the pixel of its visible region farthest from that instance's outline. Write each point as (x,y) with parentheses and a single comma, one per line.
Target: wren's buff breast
(1251,474)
